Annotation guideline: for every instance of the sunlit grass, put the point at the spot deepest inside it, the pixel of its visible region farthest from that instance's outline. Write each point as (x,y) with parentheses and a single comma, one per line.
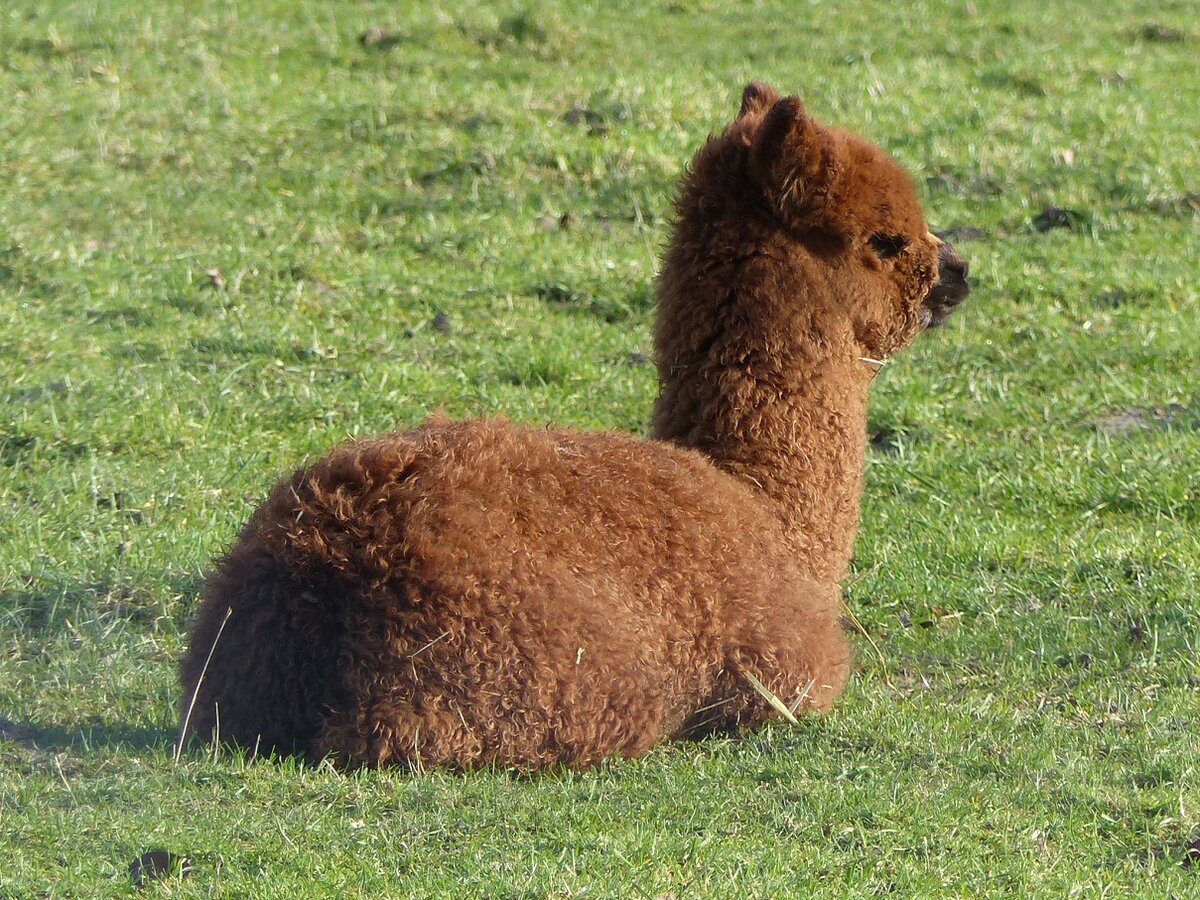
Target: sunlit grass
(233,234)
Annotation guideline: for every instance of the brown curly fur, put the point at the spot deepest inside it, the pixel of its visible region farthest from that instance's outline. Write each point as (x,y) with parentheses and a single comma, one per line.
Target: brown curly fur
(473,592)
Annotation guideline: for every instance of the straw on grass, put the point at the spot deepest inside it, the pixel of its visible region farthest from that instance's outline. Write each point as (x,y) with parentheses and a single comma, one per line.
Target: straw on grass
(187,717)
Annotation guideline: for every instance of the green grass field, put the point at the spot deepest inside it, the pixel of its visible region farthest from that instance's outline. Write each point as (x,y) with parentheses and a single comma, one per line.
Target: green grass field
(232,234)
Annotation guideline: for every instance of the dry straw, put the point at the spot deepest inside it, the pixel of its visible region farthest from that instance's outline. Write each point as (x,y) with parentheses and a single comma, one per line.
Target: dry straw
(187,718)
(778,705)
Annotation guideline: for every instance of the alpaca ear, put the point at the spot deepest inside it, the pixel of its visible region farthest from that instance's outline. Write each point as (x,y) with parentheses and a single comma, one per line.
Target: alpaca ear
(796,159)
(757,97)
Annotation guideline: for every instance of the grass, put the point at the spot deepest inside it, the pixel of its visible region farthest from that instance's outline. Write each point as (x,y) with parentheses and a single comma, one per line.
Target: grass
(232,234)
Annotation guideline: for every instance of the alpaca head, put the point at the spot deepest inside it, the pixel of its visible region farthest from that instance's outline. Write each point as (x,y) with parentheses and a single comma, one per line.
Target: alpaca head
(828,197)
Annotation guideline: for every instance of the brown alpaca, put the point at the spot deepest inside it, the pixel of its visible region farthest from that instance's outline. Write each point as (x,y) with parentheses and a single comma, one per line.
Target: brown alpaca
(472,592)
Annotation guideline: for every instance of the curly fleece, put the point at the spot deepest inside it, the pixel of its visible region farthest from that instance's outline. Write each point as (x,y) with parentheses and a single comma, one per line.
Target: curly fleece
(471,593)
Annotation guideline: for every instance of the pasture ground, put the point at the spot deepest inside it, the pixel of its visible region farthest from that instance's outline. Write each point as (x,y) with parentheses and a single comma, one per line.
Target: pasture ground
(233,233)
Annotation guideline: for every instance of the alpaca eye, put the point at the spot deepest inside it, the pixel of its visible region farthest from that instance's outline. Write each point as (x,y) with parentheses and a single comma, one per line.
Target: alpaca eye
(887,245)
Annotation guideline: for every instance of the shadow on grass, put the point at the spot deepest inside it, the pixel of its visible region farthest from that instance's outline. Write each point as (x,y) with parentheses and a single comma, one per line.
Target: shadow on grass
(85,737)
(95,616)
(43,608)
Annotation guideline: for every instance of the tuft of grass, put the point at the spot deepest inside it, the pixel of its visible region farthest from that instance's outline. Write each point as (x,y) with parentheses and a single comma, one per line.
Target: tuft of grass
(232,235)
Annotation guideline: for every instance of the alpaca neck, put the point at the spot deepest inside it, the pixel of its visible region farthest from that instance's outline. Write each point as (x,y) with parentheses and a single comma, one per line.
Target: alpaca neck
(788,417)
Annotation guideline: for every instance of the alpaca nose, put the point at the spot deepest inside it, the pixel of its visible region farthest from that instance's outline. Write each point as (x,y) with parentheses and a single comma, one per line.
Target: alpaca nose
(951,266)
(951,288)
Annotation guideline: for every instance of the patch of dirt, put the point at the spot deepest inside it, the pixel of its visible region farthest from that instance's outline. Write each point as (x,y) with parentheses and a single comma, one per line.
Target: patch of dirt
(302,276)
(1161,34)
(33,394)
(17,733)
(1138,418)
(553,223)
(885,440)
(892,440)
(556,292)
(1025,85)
(600,113)
(1186,854)
(1073,660)
(1177,205)
(156,865)
(381,38)
(1112,298)
(980,184)
(1058,217)
(596,121)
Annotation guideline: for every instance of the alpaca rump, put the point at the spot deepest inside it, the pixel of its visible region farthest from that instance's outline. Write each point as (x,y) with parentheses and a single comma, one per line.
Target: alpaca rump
(468,593)
(473,592)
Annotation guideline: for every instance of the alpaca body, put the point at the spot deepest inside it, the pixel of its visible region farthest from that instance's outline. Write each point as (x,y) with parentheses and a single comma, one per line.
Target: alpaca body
(474,592)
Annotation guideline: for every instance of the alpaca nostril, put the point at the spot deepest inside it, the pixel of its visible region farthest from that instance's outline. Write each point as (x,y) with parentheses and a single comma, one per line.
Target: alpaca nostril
(951,265)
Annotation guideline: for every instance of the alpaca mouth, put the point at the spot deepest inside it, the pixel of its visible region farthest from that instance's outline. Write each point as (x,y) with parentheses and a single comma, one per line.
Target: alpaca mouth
(951,288)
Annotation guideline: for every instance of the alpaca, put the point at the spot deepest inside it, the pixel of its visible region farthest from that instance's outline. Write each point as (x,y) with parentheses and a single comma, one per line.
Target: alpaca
(472,593)
(799,262)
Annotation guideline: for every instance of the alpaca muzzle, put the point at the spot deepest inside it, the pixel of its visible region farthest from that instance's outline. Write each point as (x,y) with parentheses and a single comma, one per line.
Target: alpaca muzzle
(951,288)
